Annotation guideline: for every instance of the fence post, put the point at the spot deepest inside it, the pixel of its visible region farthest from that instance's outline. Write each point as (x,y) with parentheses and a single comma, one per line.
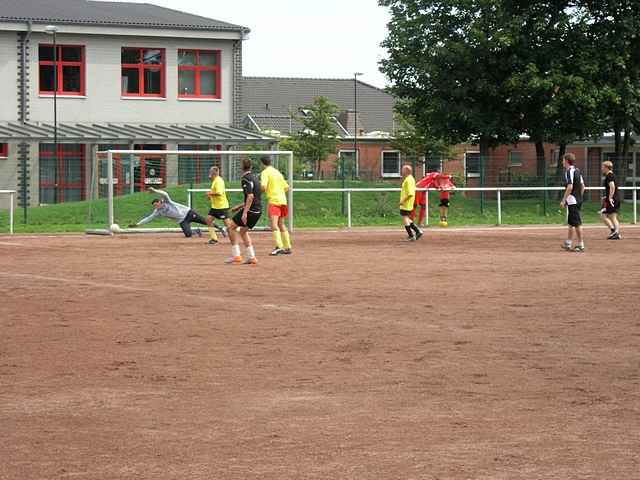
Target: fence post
(110,216)
(481,184)
(499,207)
(189,200)
(349,209)
(426,207)
(11,195)
(635,206)
(544,197)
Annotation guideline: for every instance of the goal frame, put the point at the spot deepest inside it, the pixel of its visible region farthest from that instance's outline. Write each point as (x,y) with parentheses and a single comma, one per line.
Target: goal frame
(220,153)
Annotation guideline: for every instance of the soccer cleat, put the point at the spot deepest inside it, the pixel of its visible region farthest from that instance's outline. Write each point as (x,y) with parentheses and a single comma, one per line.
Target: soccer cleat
(410,239)
(286,251)
(233,261)
(250,261)
(212,241)
(418,235)
(276,251)
(614,236)
(579,249)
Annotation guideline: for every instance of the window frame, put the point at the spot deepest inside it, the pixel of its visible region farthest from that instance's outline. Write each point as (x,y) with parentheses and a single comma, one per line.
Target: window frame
(473,174)
(59,183)
(357,159)
(390,175)
(511,162)
(216,69)
(141,67)
(59,68)
(4,150)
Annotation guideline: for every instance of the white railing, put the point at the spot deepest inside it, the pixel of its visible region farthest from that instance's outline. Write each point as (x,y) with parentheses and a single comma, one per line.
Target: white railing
(12,195)
(498,191)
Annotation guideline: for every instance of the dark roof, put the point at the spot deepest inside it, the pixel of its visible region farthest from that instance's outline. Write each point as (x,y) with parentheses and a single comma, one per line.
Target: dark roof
(129,132)
(278,96)
(285,124)
(83,12)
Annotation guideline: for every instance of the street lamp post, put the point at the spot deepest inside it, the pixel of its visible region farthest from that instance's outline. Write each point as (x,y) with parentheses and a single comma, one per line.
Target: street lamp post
(355,117)
(51,30)
(355,133)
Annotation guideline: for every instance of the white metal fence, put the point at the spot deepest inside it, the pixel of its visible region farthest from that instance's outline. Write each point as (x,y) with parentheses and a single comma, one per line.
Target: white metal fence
(497,190)
(12,197)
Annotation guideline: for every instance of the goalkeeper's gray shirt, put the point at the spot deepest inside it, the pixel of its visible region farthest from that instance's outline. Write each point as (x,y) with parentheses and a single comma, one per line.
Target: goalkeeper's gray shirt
(168,208)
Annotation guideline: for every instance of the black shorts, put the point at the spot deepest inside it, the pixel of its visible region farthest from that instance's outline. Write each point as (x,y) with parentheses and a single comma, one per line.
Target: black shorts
(405,213)
(220,213)
(574,215)
(608,208)
(252,219)
(444,202)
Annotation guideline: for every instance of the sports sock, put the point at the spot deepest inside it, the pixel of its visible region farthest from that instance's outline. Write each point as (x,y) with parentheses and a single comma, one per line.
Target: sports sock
(414,228)
(286,239)
(235,250)
(251,252)
(409,231)
(277,238)
(212,234)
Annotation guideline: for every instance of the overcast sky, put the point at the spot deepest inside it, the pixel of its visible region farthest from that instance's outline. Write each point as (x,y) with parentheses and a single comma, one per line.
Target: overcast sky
(303,38)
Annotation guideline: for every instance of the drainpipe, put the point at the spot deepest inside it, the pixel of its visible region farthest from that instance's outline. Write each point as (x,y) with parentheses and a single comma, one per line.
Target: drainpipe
(23,117)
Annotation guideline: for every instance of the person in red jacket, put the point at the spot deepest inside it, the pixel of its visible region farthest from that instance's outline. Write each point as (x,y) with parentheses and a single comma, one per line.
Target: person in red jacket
(433,180)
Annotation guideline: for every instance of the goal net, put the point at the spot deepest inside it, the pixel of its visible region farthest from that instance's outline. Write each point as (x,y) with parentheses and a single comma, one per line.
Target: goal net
(120,181)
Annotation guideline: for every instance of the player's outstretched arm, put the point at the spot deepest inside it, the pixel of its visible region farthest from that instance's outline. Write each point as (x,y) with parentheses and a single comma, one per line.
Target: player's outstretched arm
(162,193)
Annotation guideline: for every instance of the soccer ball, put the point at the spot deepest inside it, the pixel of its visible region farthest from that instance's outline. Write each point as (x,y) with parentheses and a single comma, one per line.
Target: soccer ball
(444,224)
(115,228)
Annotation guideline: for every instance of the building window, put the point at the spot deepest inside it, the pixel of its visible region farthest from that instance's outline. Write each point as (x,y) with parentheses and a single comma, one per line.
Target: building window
(70,68)
(62,173)
(348,159)
(515,158)
(472,165)
(390,164)
(553,162)
(142,72)
(198,73)
(4,150)
(195,169)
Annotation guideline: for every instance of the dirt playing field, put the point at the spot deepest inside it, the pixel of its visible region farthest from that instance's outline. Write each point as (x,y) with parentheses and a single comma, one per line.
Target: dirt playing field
(476,354)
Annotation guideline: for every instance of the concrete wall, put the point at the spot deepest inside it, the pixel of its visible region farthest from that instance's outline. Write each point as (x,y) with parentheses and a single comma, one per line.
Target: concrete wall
(8,76)
(103,101)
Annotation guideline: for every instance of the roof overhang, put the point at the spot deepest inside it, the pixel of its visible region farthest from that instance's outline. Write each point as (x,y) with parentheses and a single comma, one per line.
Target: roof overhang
(130,132)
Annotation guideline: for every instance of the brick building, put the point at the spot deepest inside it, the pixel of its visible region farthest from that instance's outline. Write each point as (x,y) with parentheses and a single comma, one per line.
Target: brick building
(131,75)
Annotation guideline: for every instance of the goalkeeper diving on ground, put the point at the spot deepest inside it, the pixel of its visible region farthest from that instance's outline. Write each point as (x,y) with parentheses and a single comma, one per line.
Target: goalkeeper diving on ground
(182,214)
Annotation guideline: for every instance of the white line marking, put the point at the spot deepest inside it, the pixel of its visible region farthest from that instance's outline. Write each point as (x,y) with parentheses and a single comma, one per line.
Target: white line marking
(11,244)
(87,283)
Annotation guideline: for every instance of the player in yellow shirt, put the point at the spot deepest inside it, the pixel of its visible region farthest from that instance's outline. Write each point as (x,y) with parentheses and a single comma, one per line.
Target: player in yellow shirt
(219,205)
(275,186)
(407,197)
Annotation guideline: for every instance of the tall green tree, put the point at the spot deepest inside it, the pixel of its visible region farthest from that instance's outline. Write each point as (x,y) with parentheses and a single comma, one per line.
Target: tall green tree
(417,142)
(319,137)
(451,59)
(614,41)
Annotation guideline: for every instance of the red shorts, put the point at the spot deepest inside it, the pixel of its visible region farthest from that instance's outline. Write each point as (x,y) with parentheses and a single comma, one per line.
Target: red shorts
(278,210)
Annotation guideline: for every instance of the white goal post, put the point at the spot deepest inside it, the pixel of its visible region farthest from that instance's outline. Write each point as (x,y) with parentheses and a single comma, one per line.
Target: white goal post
(12,196)
(192,153)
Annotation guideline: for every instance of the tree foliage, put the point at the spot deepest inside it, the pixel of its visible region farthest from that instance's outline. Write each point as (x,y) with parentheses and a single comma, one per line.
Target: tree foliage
(319,137)
(489,70)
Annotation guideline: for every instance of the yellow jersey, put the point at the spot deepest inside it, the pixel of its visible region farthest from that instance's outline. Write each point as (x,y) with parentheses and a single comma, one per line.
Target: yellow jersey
(219,201)
(408,193)
(274,185)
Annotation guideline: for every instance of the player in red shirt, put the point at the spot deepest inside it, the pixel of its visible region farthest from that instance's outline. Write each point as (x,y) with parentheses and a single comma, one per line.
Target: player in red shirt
(433,180)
